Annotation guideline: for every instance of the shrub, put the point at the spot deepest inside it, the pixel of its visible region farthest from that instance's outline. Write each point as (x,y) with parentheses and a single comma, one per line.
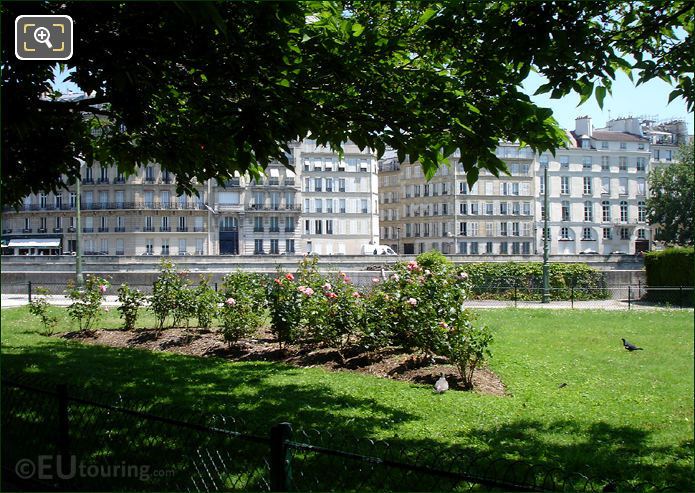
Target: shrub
(164,292)
(285,303)
(86,302)
(130,302)
(466,346)
(525,281)
(39,306)
(670,267)
(243,305)
(206,302)
(334,313)
(185,305)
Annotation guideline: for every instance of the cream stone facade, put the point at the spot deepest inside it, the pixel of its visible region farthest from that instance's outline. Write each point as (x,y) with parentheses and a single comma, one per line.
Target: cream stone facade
(142,215)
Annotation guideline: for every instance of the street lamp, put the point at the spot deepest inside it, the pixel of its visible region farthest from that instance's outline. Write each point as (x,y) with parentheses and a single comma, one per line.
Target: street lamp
(79,279)
(546,293)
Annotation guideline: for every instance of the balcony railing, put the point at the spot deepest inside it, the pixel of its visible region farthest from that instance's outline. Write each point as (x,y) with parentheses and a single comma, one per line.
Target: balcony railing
(274,230)
(259,207)
(119,180)
(6,231)
(258,230)
(165,229)
(72,229)
(42,230)
(198,229)
(103,230)
(148,229)
(112,205)
(181,229)
(87,181)
(120,229)
(88,230)
(103,181)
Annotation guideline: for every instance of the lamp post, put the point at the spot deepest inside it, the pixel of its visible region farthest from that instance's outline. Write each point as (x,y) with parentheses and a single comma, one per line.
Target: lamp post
(398,240)
(79,279)
(546,293)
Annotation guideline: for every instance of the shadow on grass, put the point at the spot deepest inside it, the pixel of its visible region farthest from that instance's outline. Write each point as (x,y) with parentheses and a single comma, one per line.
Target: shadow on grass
(169,384)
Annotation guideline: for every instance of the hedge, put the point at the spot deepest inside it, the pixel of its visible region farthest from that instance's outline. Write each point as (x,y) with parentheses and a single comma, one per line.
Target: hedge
(493,280)
(670,267)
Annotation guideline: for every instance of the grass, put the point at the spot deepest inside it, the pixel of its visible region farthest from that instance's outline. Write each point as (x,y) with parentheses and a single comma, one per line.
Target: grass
(621,415)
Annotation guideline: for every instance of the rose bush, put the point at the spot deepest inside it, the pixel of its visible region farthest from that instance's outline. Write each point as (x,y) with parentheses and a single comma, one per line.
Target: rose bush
(86,302)
(242,309)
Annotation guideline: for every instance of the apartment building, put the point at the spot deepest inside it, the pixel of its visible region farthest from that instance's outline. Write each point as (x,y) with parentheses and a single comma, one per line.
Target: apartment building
(141,214)
(597,191)
(340,199)
(494,216)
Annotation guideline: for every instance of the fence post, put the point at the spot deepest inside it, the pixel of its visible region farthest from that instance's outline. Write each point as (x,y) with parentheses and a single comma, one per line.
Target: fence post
(572,296)
(29,290)
(680,298)
(280,455)
(629,296)
(515,292)
(215,287)
(63,423)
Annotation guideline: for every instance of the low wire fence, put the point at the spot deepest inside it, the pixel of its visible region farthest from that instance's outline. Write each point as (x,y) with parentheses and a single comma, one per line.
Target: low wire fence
(57,438)
(626,297)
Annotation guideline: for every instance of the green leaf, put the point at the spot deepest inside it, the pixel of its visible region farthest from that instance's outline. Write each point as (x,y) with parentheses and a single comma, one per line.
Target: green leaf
(357,29)
(600,95)
(284,83)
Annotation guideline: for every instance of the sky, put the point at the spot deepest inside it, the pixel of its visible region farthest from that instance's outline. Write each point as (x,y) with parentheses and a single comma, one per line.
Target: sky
(649,99)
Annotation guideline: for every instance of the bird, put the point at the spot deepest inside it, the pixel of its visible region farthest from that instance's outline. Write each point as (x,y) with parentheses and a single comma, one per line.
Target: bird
(441,385)
(631,347)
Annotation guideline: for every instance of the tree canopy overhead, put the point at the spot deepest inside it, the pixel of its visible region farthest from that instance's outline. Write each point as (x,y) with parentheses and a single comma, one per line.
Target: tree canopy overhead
(206,89)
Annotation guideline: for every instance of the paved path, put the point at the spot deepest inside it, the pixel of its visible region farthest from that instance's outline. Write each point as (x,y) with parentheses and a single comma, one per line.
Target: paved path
(15,300)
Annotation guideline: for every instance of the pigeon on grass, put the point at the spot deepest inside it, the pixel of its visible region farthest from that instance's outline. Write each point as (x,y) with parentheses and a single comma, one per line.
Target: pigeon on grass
(631,347)
(441,385)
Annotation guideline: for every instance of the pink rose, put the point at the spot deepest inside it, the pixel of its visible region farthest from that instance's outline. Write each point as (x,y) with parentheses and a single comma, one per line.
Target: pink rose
(277,281)
(289,276)
(102,288)
(375,280)
(308,291)
(331,295)
(412,301)
(327,286)
(355,294)
(230,302)
(463,276)
(395,277)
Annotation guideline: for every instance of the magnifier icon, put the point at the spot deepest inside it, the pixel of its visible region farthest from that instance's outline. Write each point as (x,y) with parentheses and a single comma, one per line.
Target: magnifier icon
(43,35)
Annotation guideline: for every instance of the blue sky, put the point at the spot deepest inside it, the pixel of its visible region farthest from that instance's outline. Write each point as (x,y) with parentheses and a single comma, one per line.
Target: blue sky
(650,99)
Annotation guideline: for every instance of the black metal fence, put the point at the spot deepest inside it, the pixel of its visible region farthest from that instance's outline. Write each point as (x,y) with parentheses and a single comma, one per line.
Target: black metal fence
(60,439)
(612,297)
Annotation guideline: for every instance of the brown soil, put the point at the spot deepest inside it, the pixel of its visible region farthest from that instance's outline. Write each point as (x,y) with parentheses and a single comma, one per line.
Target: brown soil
(386,363)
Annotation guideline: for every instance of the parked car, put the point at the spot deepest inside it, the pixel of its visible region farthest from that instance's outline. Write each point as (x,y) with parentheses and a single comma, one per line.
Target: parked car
(588,251)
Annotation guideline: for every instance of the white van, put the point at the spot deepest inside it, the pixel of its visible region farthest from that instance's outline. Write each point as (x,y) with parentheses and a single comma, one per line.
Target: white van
(377,250)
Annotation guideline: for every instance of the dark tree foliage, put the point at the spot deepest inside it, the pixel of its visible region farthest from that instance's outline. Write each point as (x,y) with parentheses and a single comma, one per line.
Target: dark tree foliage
(208,88)
(671,203)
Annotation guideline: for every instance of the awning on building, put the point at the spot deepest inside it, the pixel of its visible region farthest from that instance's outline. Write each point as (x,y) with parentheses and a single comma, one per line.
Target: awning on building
(34,243)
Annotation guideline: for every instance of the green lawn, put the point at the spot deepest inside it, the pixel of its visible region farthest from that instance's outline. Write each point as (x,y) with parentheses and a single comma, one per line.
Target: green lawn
(621,415)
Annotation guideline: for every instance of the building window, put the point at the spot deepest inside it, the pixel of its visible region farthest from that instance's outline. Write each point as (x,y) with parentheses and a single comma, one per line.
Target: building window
(565,185)
(318,227)
(341,184)
(503,229)
(515,229)
(587,185)
(149,247)
(274,247)
(564,162)
(289,246)
(624,234)
(604,144)
(329,226)
(623,145)
(120,248)
(364,206)
(317,184)
(586,234)
(318,205)
(641,163)
(474,248)
(605,185)
(605,163)
(587,162)
(642,234)
(641,211)
(564,233)
(199,246)
(182,224)
(149,173)
(165,247)
(622,186)
(488,209)
(622,163)
(274,224)
(588,211)
(605,211)
(641,186)
(503,208)
(165,226)
(257,224)
(565,210)
(623,211)
(42,201)
(258,247)
(504,248)
(607,234)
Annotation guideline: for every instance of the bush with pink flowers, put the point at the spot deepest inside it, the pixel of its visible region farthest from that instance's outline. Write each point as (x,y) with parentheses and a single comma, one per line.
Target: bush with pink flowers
(243,303)
(86,301)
